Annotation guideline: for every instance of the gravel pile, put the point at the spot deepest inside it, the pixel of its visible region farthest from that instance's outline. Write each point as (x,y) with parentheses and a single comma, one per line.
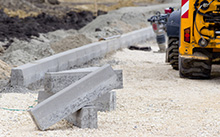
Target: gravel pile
(70,42)
(122,21)
(22,52)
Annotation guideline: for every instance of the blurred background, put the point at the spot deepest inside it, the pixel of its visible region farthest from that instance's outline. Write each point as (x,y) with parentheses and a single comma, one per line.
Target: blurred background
(24,8)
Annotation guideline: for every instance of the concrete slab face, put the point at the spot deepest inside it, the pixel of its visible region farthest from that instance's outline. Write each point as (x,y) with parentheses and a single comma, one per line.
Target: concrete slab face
(113,45)
(74,97)
(17,77)
(86,117)
(56,81)
(107,102)
(42,95)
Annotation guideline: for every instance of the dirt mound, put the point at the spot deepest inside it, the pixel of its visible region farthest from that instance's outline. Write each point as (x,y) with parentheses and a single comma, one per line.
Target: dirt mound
(24,29)
(5,70)
(41,6)
(31,5)
(121,21)
(21,52)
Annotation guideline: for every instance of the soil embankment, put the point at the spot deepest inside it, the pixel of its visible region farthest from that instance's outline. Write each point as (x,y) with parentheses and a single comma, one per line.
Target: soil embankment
(25,28)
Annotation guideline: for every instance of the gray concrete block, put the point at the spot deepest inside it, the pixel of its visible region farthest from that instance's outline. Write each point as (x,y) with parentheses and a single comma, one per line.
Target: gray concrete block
(86,117)
(42,95)
(113,45)
(136,37)
(106,102)
(56,81)
(74,97)
(30,73)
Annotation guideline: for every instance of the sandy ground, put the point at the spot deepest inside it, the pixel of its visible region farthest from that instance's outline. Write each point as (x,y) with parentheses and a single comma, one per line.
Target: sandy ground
(154,102)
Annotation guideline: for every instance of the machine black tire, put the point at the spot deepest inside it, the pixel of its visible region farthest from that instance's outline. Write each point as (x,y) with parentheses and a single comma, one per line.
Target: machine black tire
(194,68)
(173,52)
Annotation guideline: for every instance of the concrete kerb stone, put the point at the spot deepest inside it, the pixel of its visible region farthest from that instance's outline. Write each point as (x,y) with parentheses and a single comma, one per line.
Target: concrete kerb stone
(113,45)
(56,81)
(30,73)
(74,97)
(106,102)
(42,95)
(136,37)
(86,117)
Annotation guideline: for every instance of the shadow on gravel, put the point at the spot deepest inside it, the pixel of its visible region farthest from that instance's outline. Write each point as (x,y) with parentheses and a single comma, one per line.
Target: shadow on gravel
(140,48)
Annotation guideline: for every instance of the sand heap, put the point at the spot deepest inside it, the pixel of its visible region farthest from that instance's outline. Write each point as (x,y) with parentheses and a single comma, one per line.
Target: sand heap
(122,21)
(21,52)
(70,42)
(5,70)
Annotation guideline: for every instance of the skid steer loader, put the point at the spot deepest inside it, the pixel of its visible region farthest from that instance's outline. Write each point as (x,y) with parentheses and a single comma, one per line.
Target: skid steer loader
(194,38)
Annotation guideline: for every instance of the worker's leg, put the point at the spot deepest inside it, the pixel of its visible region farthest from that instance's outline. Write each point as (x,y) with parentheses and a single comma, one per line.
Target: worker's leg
(161,41)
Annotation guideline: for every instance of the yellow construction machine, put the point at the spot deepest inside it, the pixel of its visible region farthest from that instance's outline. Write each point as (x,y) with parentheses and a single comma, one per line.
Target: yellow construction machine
(194,38)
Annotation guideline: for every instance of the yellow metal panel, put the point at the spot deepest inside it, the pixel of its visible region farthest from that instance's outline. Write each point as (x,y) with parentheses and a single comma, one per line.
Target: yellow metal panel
(187,48)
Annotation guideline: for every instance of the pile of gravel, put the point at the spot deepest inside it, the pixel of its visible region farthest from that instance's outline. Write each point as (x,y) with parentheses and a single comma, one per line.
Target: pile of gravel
(122,21)
(21,52)
(70,42)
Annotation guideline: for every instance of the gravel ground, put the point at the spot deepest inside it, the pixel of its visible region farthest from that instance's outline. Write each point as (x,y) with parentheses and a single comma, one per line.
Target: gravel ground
(154,102)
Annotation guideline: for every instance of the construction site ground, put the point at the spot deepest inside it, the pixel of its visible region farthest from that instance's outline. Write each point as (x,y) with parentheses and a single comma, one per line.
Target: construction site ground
(154,102)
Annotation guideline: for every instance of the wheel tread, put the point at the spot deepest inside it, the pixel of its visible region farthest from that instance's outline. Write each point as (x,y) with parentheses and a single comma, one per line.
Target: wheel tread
(194,69)
(173,53)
